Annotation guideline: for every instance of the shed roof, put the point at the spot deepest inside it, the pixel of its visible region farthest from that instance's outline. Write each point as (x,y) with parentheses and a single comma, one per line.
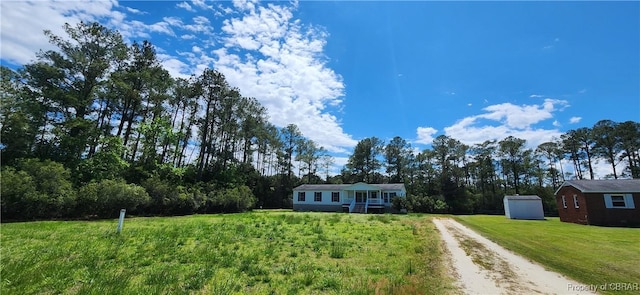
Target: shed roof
(381,186)
(529,197)
(604,186)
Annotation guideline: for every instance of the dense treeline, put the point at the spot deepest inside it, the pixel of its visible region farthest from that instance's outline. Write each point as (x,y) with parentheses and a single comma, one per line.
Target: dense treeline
(454,177)
(97,125)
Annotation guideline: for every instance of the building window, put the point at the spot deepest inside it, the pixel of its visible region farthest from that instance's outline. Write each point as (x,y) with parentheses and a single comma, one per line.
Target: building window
(301,197)
(317,197)
(575,201)
(387,197)
(564,202)
(619,201)
(335,197)
(374,195)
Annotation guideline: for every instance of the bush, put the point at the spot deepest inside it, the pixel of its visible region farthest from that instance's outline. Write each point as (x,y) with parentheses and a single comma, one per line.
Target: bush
(37,189)
(105,198)
(237,199)
(169,199)
(421,204)
(18,192)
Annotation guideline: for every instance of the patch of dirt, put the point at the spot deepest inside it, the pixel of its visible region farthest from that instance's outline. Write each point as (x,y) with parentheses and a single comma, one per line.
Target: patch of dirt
(483,267)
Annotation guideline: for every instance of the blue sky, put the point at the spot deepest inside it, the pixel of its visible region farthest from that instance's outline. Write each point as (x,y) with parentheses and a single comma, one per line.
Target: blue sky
(344,71)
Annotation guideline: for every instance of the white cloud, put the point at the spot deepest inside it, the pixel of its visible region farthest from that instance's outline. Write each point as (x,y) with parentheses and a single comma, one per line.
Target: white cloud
(272,57)
(265,52)
(575,120)
(425,135)
(556,123)
(523,116)
(23,24)
(200,24)
(186,6)
(245,5)
(201,4)
(162,27)
(536,95)
(174,66)
(502,120)
(134,11)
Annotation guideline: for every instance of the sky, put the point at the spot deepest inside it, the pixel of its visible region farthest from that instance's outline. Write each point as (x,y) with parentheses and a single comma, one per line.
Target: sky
(343,71)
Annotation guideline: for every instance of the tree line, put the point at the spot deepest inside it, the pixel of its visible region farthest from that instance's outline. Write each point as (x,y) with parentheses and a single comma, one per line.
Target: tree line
(458,178)
(96,125)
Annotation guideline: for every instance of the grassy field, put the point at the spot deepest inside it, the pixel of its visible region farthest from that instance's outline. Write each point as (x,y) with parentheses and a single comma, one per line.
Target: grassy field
(599,256)
(264,252)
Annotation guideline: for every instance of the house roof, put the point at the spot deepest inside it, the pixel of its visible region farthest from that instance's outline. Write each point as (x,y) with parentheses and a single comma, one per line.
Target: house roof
(530,197)
(604,186)
(380,186)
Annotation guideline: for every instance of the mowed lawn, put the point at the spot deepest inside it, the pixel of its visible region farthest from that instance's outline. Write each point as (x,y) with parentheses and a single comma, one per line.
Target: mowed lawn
(263,252)
(599,256)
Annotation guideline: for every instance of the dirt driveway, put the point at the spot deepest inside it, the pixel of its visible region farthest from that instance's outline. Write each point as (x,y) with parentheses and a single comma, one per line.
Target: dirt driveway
(483,267)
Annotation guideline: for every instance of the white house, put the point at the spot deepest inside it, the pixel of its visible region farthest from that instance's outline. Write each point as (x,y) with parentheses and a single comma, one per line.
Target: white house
(353,198)
(523,207)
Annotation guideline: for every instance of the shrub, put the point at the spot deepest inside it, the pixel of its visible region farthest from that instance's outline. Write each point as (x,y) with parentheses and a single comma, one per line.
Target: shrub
(170,199)
(37,189)
(105,198)
(237,199)
(17,189)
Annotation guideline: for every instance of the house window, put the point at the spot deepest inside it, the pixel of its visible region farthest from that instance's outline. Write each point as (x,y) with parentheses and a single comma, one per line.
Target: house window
(619,201)
(374,195)
(564,202)
(575,201)
(335,197)
(301,197)
(317,197)
(388,196)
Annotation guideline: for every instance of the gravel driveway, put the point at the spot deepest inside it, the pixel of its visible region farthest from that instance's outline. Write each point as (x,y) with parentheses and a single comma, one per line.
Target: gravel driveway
(483,267)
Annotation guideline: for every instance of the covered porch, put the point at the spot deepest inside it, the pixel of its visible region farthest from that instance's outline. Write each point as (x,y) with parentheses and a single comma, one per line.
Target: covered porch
(361,197)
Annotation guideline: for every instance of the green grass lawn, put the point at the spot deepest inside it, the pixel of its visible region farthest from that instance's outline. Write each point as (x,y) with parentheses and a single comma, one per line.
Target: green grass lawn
(264,252)
(589,254)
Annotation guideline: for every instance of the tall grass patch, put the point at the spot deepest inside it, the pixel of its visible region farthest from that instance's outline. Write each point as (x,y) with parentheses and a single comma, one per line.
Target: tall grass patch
(247,253)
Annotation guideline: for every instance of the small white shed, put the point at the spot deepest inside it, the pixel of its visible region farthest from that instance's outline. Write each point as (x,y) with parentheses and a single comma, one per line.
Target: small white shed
(523,207)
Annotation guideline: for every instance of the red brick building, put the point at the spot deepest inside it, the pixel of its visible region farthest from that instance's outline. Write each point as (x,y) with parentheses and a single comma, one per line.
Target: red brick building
(600,202)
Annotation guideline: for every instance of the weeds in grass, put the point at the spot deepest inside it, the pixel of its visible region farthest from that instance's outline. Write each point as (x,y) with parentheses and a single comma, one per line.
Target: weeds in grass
(384,218)
(288,268)
(317,228)
(329,282)
(225,285)
(216,254)
(337,249)
(410,269)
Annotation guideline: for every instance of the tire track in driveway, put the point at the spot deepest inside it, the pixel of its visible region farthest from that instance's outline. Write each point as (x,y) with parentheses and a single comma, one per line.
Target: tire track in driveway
(483,267)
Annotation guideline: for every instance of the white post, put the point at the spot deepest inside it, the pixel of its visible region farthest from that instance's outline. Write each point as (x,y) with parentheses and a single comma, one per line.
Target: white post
(121,220)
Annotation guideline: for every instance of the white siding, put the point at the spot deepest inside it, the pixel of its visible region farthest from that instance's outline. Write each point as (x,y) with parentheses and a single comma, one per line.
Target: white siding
(310,196)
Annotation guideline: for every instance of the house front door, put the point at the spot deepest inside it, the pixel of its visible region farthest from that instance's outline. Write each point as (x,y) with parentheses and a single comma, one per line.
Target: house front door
(361,197)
